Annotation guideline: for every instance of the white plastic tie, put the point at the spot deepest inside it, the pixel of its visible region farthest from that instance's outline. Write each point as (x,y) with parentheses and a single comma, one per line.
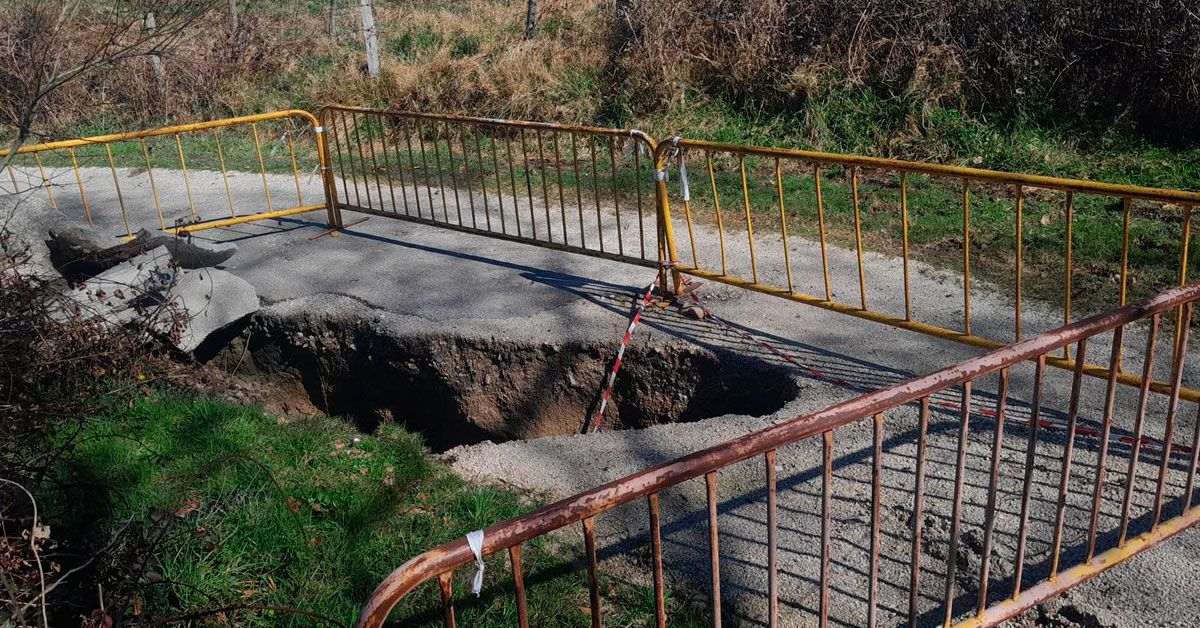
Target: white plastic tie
(684,191)
(661,175)
(279,143)
(318,129)
(475,541)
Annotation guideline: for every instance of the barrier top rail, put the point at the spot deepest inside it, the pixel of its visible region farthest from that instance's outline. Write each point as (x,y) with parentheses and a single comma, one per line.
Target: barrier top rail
(511,533)
(961,172)
(500,122)
(166,130)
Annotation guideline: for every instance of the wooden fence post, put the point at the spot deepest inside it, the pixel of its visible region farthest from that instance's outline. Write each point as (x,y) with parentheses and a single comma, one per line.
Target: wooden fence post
(371,37)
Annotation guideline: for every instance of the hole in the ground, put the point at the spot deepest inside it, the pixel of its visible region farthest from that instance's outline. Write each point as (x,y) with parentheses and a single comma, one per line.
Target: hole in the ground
(457,390)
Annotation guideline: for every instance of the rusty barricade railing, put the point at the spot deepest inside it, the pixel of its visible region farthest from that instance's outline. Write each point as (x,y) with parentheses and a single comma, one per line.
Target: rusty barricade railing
(177,178)
(574,188)
(810,197)
(1089,522)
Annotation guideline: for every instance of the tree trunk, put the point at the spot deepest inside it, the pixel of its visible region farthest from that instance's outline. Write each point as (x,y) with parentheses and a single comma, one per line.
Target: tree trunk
(530,18)
(233,16)
(371,37)
(332,18)
(149,25)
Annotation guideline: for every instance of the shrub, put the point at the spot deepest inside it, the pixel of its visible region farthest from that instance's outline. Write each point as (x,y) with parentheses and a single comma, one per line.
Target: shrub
(1098,62)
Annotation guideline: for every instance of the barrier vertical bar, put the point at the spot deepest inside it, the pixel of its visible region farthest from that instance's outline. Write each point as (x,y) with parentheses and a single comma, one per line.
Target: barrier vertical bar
(956,509)
(862,283)
(904,243)
(1065,477)
(821,229)
(514,557)
(876,503)
(87,210)
(966,213)
(1030,458)
(660,607)
(1172,410)
(989,525)
(918,510)
(1138,426)
(772,542)
(714,551)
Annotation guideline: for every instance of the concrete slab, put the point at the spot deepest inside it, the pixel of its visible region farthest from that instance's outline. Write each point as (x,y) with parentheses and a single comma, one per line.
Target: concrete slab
(210,300)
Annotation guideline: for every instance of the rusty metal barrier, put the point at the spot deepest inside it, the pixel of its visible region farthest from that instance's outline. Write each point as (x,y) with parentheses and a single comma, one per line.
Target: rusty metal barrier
(811,196)
(1080,530)
(574,188)
(80,175)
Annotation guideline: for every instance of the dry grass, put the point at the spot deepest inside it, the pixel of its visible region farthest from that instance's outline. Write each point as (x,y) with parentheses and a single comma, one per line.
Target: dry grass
(1108,62)
(445,58)
(468,57)
(1105,62)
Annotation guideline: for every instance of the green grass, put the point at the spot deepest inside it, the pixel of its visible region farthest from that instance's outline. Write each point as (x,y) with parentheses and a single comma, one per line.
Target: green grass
(203,150)
(304,514)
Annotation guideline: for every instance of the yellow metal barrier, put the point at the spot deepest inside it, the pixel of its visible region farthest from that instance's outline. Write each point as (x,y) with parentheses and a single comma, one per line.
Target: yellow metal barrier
(574,188)
(734,190)
(97,172)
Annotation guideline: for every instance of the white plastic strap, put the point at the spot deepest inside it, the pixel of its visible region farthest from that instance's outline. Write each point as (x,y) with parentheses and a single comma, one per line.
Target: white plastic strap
(660,175)
(684,191)
(475,540)
(318,129)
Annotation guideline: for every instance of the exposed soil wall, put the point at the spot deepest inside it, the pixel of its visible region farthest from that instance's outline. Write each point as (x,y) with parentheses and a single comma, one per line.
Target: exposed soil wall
(458,390)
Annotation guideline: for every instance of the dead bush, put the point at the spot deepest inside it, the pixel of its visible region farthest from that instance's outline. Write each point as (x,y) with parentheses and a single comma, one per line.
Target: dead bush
(59,368)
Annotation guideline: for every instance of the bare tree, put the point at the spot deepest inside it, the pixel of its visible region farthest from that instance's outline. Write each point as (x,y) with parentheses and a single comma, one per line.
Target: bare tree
(46,45)
(233,16)
(332,19)
(530,18)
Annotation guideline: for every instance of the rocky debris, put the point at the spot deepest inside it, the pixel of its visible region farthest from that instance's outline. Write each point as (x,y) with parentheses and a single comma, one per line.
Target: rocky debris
(1062,612)
(78,258)
(190,256)
(693,311)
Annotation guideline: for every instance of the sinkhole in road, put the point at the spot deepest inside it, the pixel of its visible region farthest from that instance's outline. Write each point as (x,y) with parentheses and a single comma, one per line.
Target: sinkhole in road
(457,390)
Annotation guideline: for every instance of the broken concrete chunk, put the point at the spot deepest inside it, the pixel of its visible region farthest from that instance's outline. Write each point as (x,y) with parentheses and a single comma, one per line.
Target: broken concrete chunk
(209,300)
(118,293)
(200,301)
(79,258)
(190,256)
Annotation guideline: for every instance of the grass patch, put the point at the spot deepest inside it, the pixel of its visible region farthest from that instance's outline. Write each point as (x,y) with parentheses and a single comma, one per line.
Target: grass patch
(248,510)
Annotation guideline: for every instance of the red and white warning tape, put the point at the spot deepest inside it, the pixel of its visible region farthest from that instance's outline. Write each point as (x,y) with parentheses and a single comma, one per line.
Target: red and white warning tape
(640,308)
(1043,422)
